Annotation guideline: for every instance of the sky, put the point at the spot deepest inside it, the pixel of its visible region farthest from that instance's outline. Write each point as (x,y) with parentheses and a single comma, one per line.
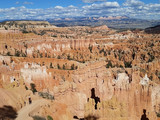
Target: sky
(51,9)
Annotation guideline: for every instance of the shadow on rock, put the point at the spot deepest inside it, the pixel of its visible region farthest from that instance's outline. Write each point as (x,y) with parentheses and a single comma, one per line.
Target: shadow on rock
(7,113)
(144,116)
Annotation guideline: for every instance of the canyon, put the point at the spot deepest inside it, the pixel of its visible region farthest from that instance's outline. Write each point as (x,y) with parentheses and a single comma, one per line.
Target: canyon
(79,72)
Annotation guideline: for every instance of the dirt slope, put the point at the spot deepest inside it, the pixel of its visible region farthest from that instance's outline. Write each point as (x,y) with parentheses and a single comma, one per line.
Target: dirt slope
(25,112)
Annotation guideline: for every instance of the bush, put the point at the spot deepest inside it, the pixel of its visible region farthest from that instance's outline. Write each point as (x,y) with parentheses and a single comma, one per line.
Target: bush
(69,57)
(49,117)
(54,35)
(8,54)
(51,66)
(128,64)
(121,66)
(109,64)
(102,50)
(158,114)
(64,67)
(58,57)
(151,58)
(58,66)
(24,31)
(46,95)
(26,87)
(24,55)
(41,55)
(72,67)
(42,33)
(17,53)
(38,118)
(33,88)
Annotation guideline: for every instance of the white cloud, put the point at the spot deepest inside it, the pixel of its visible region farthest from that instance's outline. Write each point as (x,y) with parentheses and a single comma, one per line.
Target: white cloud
(131,8)
(138,9)
(105,8)
(91,1)
(24,3)
(25,13)
(28,3)
(58,7)
(105,5)
(133,3)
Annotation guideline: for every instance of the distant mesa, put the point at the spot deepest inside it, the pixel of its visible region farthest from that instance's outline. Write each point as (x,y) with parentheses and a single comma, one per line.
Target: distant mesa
(102,27)
(24,24)
(153,30)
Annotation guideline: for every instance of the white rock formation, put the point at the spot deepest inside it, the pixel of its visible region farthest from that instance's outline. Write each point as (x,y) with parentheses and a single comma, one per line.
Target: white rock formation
(145,80)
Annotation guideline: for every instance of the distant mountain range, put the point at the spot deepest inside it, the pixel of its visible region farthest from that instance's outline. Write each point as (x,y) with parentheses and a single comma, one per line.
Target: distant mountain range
(116,22)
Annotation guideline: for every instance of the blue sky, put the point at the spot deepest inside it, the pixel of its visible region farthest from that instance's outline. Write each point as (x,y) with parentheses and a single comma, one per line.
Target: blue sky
(50,9)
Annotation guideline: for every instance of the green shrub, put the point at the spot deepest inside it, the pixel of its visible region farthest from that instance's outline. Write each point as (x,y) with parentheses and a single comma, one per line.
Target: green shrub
(58,57)
(24,55)
(51,66)
(8,54)
(42,33)
(33,88)
(58,66)
(26,87)
(17,53)
(38,118)
(128,64)
(41,55)
(109,64)
(49,117)
(102,50)
(121,66)
(64,67)
(151,58)
(72,67)
(158,114)
(69,57)
(90,48)
(46,95)
(54,35)
(24,31)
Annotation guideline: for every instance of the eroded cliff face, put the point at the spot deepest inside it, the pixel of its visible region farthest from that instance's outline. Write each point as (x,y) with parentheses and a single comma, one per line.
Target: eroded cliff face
(89,71)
